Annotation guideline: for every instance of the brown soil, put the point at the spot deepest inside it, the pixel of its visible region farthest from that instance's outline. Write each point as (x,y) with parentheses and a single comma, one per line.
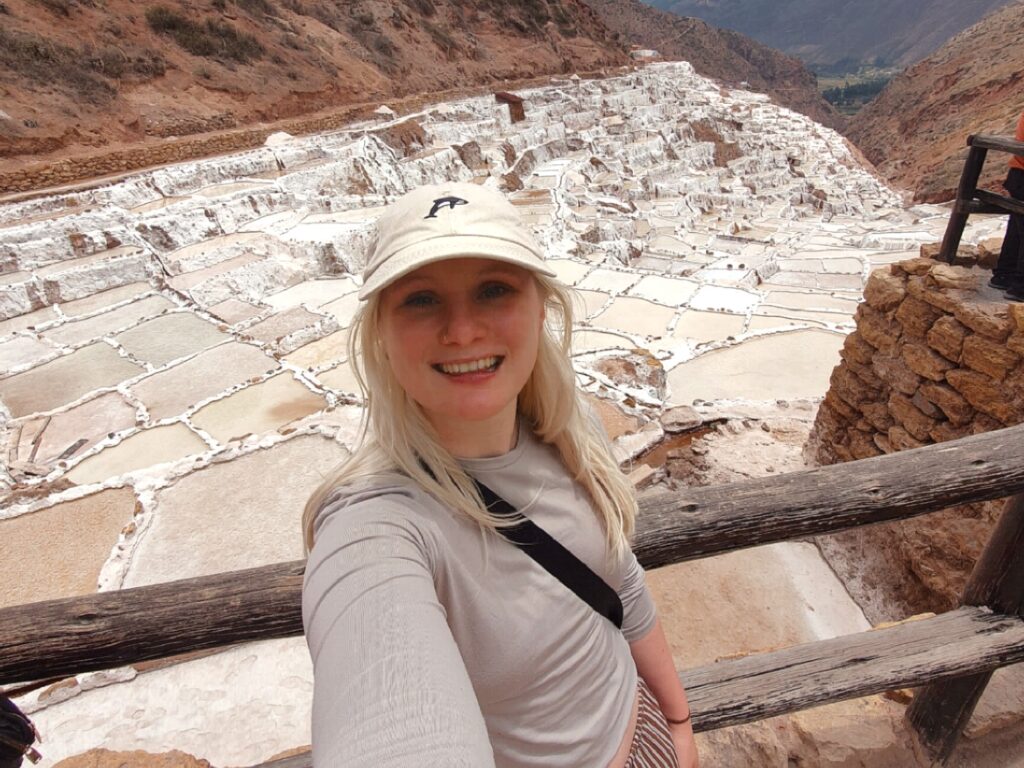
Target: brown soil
(78,75)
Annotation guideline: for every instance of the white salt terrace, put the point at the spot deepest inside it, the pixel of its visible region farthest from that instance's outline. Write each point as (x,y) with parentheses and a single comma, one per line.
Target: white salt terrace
(173,353)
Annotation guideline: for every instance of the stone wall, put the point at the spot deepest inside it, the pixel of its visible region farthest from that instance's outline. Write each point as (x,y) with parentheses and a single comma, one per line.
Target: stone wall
(937,355)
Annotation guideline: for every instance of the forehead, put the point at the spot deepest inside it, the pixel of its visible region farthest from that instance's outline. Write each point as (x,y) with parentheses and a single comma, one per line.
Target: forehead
(461,270)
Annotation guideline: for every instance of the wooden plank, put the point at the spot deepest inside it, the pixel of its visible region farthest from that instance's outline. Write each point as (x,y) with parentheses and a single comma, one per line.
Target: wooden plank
(998,143)
(941,711)
(965,191)
(699,522)
(93,632)
(1001,203)
(64,637)
(764,685)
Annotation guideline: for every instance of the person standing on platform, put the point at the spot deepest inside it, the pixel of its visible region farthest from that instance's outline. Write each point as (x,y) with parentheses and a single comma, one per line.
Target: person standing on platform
(1009,272)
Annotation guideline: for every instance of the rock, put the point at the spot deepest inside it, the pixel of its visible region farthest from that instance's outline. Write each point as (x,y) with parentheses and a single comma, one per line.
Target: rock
(984,394)
(877,329)
(105,758)
(924,362)
(680,418)
(862,445)
(947,337)
(884,291)
(855,349)
(1016,313)
(895,372)
(910,416)
(989,318)
(638,368)
(986,356)
(918,266)
(927,407)
(686,465)
(949,401)
(902,440)
(877,415)
(988,252)
(916,316)
(947,276)
(851,388)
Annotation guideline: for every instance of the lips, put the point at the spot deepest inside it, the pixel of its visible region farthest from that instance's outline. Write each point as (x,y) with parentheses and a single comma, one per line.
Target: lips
(470,366)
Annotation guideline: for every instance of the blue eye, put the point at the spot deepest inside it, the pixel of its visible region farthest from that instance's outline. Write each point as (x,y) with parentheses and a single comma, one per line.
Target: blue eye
(419,299)
(495,291)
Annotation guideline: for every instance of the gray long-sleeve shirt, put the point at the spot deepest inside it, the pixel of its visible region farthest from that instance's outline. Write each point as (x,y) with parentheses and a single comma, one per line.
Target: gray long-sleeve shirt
(435,644)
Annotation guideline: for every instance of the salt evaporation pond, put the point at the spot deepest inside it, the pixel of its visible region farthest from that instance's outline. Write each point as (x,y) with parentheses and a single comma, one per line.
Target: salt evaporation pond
(173,348)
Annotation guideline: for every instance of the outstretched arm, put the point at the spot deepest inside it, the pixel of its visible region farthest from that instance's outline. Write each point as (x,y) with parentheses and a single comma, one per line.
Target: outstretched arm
(654,662)
(391,690)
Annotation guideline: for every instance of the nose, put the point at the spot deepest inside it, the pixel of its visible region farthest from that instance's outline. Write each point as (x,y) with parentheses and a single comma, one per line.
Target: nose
(463,324)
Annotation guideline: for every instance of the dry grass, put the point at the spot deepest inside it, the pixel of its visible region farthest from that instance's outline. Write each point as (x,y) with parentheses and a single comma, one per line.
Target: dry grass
(211,38)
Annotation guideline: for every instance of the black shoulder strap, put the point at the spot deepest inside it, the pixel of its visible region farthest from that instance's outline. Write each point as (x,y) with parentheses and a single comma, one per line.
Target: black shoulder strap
(555,559)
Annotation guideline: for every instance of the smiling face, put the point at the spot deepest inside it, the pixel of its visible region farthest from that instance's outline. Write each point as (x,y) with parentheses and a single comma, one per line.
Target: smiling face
(461,337)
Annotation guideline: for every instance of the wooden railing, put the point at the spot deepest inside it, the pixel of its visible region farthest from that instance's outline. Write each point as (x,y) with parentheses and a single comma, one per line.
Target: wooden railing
(951,654)
(970,199)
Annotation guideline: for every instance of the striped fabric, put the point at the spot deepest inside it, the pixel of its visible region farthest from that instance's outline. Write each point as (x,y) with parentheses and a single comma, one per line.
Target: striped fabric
(652,745)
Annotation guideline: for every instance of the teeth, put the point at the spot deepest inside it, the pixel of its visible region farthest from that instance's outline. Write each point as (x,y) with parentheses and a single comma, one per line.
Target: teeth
(475,365)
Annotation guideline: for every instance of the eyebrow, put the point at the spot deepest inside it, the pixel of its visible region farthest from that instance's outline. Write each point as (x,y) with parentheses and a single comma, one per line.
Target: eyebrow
(499,269)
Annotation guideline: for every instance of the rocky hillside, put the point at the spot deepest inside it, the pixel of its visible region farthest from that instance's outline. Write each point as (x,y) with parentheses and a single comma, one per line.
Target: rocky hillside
(915,130)
(80,73)
(719,53)
(825,33)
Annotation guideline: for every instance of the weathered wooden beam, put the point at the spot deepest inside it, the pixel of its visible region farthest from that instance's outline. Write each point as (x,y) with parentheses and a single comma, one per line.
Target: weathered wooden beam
(950,645)
(698,522)
(82,634)
(942,710)
(964,191)
(764,685)
(976,206)
(1001,203)
(998,143)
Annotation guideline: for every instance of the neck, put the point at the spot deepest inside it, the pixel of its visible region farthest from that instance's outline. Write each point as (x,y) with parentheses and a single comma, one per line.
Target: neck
(481,439)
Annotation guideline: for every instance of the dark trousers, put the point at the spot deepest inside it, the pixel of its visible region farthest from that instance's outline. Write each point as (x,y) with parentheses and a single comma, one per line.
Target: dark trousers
(1011,258)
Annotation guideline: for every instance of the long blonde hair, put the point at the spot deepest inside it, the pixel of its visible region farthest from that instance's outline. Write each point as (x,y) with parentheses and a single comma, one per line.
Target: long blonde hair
(396,435)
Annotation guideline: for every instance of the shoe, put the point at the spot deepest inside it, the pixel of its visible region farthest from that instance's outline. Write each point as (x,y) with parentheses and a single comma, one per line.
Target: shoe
(1000,283)
(1015,294)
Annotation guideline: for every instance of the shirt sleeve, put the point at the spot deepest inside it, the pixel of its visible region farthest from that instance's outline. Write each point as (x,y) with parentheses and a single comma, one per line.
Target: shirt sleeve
(390,687)
(638,611)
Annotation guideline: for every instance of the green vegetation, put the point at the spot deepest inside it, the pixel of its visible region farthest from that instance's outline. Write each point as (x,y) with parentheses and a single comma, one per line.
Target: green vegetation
(212,39)
(850,97)
(850,91)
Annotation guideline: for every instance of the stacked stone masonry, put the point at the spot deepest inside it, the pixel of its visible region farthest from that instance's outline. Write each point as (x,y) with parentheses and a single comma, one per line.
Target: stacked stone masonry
(934,358)
(937,355)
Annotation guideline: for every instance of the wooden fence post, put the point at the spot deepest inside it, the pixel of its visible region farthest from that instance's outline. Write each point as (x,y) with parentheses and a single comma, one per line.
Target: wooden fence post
(941,711)
(964,194)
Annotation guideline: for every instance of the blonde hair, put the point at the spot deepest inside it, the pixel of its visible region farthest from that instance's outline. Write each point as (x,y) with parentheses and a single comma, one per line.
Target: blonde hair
(403,439)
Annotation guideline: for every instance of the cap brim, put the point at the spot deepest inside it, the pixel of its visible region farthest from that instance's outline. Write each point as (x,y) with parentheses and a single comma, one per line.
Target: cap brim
(451,247)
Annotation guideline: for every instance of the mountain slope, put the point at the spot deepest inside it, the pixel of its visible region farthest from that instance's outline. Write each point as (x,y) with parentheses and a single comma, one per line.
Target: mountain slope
(915,130)
(825,32)
(77,73)
(719,53)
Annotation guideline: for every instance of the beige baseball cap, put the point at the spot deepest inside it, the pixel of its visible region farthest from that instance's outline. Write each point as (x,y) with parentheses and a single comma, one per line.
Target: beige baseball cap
(447,221)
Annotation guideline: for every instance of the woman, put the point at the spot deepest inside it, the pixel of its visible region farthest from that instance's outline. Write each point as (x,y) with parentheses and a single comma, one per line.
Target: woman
(435,641)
